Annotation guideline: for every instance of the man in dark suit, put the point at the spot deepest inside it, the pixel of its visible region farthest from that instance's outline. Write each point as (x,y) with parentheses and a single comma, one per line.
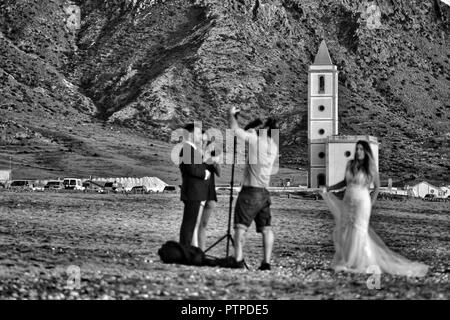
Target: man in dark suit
(194,186)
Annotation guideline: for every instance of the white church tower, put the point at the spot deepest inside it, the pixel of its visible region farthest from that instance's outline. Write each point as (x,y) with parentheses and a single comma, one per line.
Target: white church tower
(328,151)
(322,113)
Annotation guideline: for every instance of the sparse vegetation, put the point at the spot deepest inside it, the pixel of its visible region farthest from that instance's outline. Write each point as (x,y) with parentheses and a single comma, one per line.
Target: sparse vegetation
(114,240)
(174,61)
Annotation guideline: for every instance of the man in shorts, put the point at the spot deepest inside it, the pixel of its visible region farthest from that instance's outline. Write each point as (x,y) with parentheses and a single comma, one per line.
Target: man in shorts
(253,202)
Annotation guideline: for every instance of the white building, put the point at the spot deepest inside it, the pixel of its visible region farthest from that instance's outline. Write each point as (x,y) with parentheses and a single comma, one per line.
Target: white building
(328,152)
(73,20)
(5,175)
(422,188)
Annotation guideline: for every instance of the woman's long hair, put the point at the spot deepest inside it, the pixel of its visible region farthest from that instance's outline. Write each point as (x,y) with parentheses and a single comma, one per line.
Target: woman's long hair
(367,165)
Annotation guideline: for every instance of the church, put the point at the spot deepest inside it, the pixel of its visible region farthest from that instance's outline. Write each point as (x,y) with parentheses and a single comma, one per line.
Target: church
(329,152)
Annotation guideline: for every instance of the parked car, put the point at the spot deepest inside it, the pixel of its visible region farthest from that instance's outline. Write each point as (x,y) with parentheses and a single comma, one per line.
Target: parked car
(170,189)
(154,190)
(73,184)
(118,187)
(307,195)
(93,186)
(429,197)
(108,186)
(21,185)
(139,189)
(226,187)
(54,185)
(38,187)
(114,187)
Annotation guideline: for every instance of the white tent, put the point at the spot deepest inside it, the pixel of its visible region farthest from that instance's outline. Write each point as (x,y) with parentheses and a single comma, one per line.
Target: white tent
(5,175)
(154,184)
(151,183)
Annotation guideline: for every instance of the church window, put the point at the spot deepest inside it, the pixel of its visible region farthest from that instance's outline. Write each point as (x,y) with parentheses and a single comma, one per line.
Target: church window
(321,84)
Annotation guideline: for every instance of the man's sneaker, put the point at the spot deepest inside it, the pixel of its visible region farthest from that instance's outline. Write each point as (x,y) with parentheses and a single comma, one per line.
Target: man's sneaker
(240,264)
(264,266)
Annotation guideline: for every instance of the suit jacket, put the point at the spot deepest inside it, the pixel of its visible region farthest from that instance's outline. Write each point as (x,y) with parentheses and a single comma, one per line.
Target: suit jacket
(194,187)
(215,170)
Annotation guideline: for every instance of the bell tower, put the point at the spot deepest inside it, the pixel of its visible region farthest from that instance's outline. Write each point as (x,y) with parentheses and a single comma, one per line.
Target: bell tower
(322,113)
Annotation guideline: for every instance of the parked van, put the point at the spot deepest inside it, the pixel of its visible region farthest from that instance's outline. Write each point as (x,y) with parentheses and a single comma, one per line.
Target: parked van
(21,185)
(73,184)
(54,185)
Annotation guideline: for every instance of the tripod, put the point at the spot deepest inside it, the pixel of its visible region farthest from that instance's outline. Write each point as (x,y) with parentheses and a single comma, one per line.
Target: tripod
(228,235)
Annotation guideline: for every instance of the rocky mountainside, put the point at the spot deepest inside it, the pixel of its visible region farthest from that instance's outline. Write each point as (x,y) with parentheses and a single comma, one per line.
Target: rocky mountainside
(144,67)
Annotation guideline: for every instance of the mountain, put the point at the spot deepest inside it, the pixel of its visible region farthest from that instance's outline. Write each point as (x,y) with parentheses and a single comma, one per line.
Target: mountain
(97,87)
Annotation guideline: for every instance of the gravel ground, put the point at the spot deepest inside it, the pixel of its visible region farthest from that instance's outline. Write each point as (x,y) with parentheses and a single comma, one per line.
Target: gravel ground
(114,239)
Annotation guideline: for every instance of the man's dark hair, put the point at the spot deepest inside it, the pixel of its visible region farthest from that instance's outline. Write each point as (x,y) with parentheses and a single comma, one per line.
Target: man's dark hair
(190,127)
(255,123)
(270,124)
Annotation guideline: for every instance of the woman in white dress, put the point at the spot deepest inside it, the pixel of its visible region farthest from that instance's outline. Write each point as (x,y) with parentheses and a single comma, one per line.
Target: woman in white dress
(357,247)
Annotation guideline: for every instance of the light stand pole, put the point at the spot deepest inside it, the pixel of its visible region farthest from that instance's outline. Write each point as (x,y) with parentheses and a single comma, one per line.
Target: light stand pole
(228,235)
(231,196)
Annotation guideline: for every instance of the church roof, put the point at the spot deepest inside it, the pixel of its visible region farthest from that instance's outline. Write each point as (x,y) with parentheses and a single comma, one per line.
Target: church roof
(323,57)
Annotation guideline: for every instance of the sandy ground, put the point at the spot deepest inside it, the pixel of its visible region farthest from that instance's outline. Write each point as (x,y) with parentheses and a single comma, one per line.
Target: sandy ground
(114,239)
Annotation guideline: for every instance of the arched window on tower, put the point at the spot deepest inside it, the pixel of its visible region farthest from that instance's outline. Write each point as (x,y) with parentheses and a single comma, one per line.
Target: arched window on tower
(321,84)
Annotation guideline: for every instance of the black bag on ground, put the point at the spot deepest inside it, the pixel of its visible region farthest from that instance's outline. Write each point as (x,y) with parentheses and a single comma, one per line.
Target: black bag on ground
(174,252)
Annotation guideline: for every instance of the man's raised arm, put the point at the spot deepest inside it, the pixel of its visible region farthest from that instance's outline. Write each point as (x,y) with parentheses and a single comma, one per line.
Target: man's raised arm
(239,132)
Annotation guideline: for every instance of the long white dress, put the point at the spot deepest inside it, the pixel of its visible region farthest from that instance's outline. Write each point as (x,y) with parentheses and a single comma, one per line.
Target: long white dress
(357,247)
